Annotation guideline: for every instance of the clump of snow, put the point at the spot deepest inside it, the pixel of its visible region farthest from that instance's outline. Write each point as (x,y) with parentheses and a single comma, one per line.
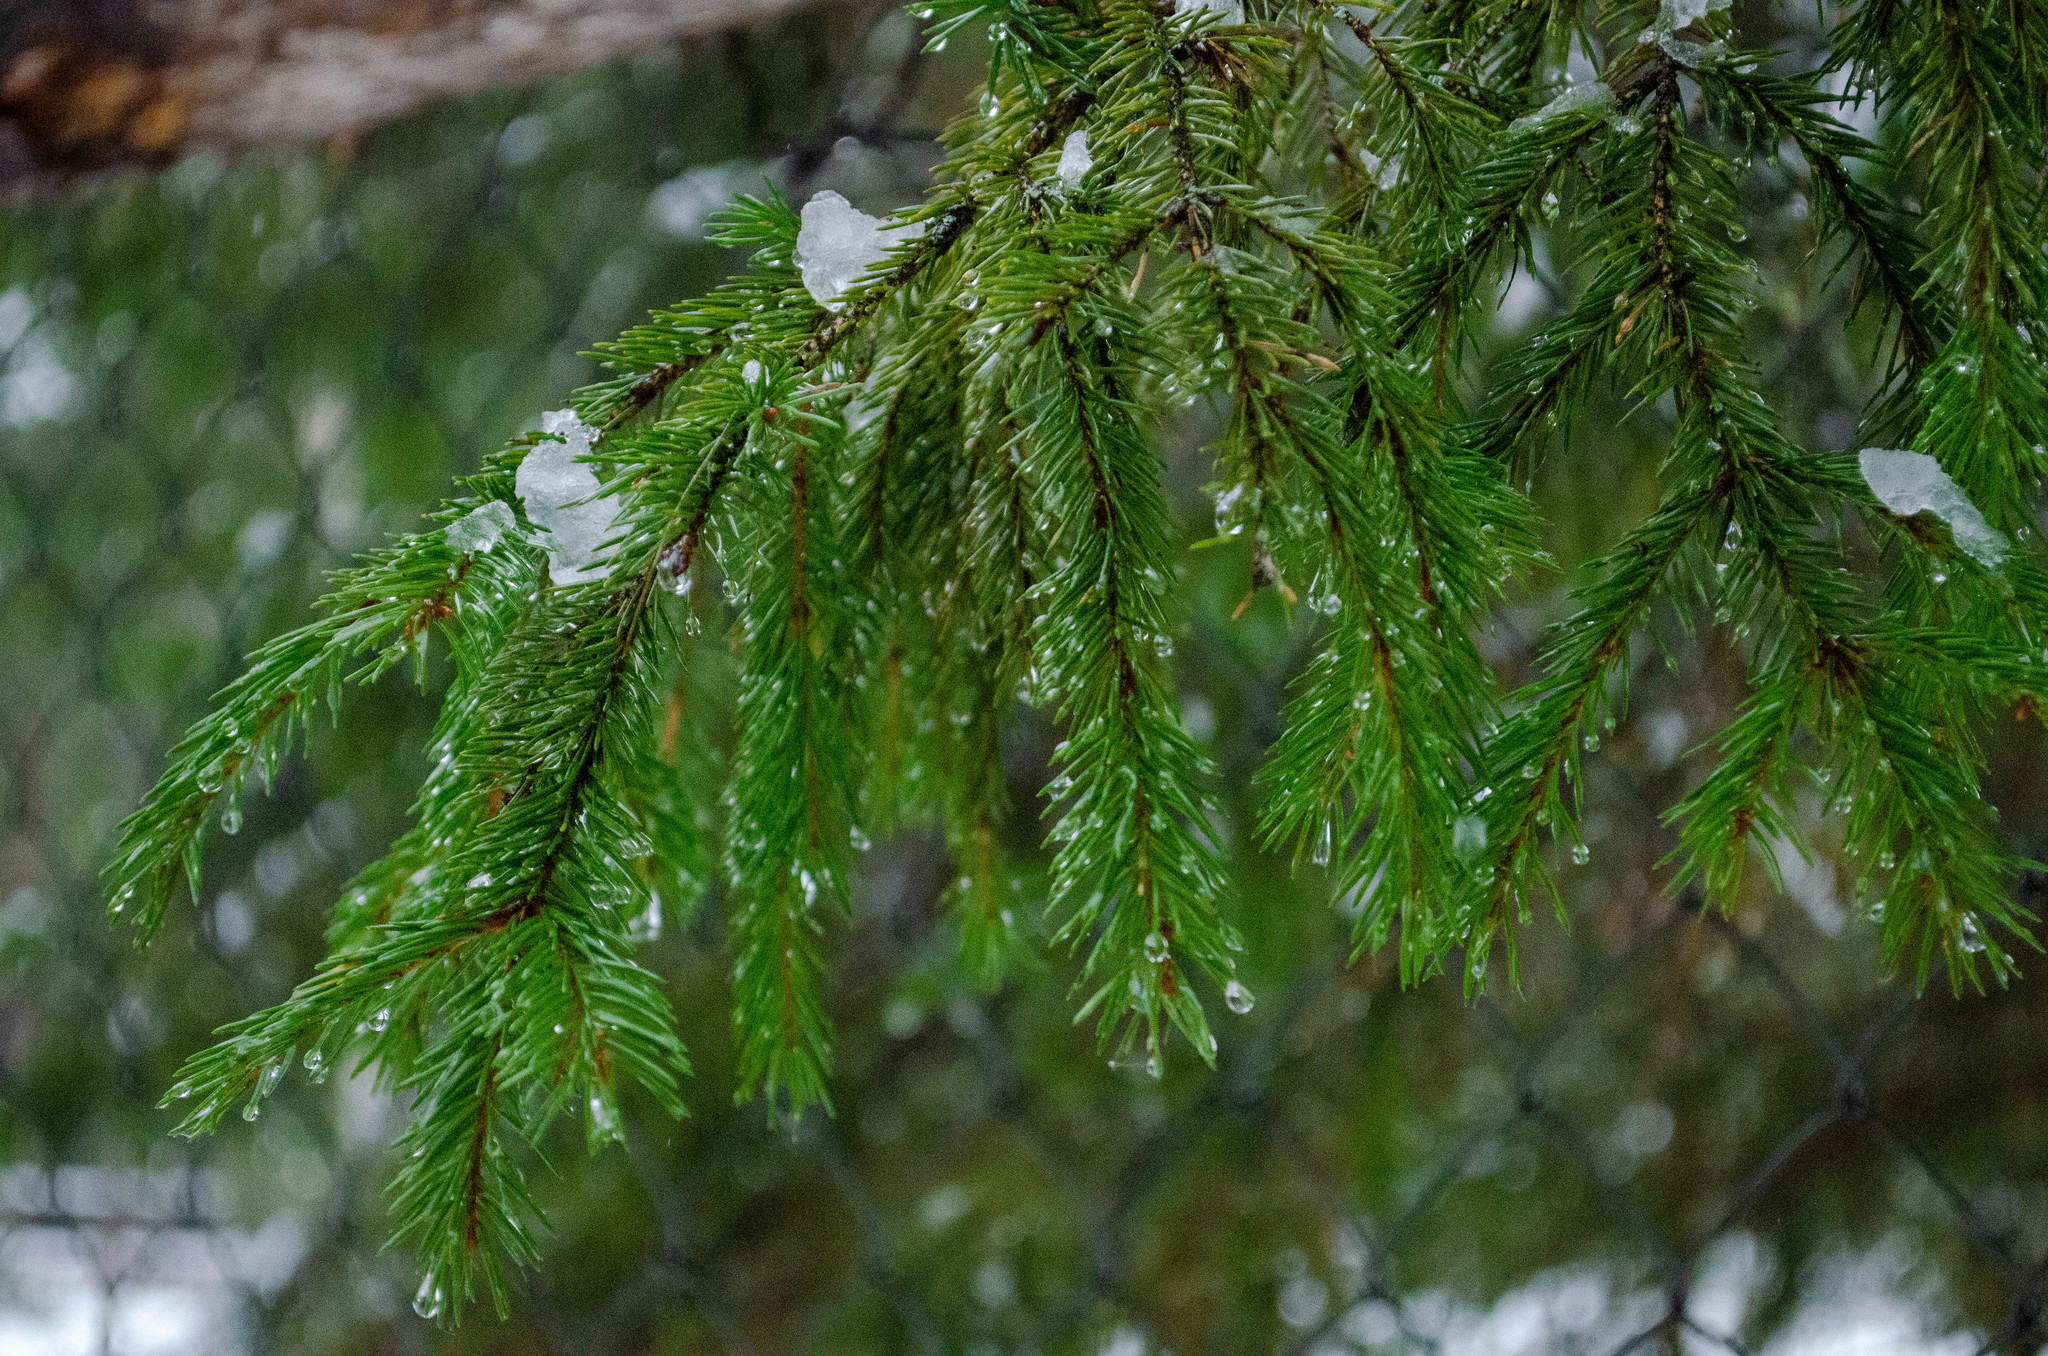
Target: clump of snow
(560,495)
(1692,54)
(1913,482)
(750,372)
(1674,14)
(1230,11)
(483,527)
(838,242)
(1075,161)
(1585,95)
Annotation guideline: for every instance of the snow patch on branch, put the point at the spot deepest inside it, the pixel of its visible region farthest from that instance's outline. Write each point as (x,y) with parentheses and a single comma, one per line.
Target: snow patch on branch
(1677,14)
(483,527)
(1673,15)
(838,242)
(1913,482)
(560,495)
(1075,160)
(1587,95)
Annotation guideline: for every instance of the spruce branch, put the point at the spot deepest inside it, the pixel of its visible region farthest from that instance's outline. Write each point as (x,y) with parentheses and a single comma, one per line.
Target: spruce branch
(910,474)
(1985,405)
(791,800)
(1134,869)
(1424,127)
(386,609)
(1501,191)
(1770,107)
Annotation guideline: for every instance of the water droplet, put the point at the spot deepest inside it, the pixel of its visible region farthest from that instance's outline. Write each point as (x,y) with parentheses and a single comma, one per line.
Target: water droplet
(1237,998)
(1973,939)
(1226,504)
(860,841)
(1581,854)
(231,820)
(427,1301)
(1156,948)
(604,1120)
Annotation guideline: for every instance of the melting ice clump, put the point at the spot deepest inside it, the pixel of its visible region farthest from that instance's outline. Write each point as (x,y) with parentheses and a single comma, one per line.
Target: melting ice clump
(1588,94)
(838,242)
(481,528)
(1913,482)
(1673,15)
(1679,13)
(560,495)
(1075,161)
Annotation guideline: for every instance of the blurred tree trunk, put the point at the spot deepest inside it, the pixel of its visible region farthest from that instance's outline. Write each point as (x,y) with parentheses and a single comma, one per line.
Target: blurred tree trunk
(86,84)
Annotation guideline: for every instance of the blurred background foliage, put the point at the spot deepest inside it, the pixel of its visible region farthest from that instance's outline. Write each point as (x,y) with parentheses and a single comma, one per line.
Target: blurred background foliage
(219,379)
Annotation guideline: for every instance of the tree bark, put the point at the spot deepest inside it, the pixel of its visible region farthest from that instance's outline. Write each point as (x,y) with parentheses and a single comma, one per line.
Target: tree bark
(86,84)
